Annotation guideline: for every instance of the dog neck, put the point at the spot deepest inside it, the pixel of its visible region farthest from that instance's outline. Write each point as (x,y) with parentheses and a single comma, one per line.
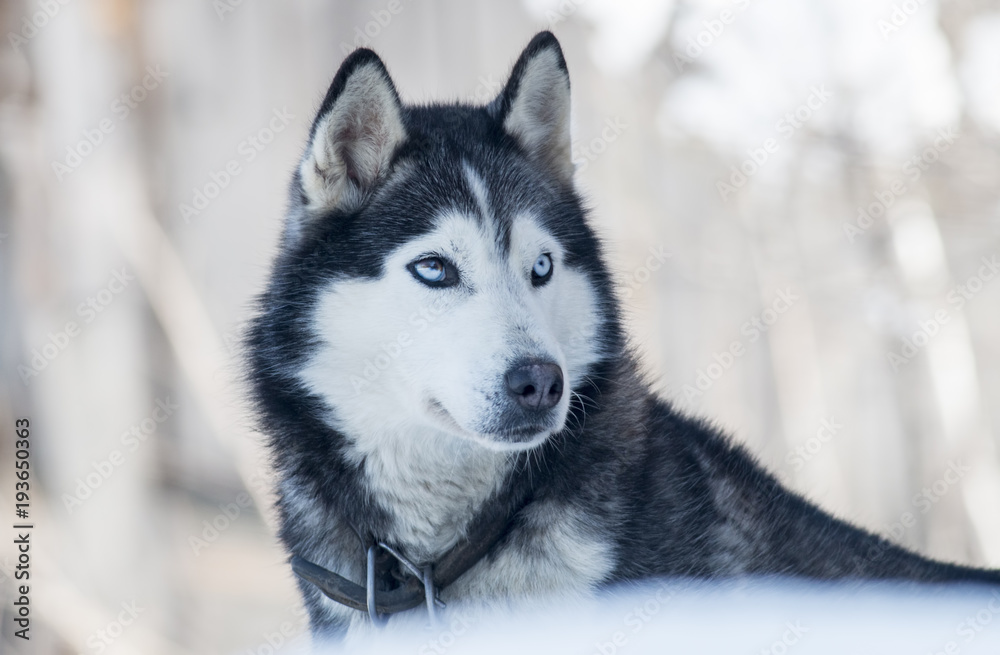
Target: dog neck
(432,484)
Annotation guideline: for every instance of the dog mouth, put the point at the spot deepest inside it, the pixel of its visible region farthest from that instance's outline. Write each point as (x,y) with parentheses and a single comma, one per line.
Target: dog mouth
(513,438)
(521,434)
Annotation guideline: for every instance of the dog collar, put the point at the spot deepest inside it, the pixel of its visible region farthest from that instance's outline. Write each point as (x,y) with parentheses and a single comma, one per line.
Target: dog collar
(422,585)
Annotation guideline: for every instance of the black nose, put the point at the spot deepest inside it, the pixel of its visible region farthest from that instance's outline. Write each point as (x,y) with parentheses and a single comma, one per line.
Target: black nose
(535,385)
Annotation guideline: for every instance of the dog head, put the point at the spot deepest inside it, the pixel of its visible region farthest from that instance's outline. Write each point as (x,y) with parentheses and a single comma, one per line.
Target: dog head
(437,270)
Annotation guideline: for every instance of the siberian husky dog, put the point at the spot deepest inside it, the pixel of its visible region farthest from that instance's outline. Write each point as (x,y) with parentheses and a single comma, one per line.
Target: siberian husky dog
(439,364)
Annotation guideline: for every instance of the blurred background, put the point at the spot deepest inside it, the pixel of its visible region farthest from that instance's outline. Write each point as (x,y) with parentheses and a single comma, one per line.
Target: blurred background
(800,200)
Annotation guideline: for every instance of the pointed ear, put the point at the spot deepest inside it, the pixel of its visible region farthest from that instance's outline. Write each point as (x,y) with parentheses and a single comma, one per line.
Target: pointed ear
(357,129)
(534,105)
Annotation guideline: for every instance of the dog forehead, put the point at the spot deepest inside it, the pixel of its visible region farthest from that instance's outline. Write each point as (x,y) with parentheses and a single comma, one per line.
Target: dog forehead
(510,219)
(480,216)
(471,236)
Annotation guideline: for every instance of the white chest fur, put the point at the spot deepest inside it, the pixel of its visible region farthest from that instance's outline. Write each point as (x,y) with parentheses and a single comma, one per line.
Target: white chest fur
(432,484)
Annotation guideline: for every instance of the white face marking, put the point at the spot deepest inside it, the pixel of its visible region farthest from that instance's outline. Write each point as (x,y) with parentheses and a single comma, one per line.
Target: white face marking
(414,375)
(399,355)
(478,191)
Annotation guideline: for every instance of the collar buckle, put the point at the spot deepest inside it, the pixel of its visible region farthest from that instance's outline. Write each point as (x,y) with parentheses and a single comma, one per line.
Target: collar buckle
(425,574)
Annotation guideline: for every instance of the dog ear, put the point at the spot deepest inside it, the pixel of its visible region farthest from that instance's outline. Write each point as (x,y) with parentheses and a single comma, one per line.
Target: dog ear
(357,129)
(534,105)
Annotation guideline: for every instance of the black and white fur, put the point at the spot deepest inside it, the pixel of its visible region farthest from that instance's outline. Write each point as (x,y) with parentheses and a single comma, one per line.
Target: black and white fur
(387,400)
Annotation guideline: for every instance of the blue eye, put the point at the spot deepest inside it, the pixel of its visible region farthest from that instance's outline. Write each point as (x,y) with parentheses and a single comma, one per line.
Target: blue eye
(434,272)
(542,270)
(431,270)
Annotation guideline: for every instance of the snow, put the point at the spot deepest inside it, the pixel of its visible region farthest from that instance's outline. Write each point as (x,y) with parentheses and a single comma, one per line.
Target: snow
(776,617)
